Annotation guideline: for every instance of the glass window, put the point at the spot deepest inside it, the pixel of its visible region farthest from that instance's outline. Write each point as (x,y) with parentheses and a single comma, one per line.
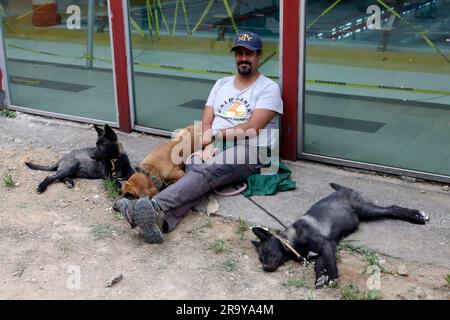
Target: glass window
(377,82)
(59,57)
(180,47)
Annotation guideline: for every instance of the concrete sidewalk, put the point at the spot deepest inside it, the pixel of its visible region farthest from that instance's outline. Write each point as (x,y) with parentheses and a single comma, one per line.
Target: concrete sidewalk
(427,244)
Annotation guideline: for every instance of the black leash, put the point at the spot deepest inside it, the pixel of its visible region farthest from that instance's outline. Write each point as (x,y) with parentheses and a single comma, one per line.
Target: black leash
(264,209)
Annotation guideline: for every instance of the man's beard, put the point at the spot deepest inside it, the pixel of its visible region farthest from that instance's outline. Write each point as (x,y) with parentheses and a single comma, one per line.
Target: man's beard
(247,70)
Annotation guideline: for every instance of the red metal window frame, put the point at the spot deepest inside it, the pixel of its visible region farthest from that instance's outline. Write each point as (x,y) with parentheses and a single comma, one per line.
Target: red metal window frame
(120,64)
(290,75)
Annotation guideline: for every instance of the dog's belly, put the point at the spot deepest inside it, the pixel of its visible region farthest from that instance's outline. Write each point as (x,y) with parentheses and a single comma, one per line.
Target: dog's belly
(91,171)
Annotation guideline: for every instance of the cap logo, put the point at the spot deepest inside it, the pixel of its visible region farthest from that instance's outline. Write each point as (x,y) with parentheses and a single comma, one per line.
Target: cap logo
(245,37)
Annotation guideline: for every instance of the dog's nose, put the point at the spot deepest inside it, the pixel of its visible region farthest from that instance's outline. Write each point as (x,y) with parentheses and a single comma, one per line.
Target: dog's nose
(268,268)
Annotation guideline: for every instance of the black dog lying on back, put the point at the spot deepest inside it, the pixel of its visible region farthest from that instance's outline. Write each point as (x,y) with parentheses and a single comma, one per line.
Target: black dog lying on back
(106,160)
(314,235)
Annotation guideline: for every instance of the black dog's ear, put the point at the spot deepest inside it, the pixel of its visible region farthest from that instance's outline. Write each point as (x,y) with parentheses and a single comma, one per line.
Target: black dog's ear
(110,133)
(262,233)
(256,243)
(99,130)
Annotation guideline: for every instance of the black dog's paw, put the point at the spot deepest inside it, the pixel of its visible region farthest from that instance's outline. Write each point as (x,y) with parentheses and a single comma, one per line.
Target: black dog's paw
(411,215)
(41,188)
(69,184)
(325,280)
(424,216)
(322,281)
(419,217)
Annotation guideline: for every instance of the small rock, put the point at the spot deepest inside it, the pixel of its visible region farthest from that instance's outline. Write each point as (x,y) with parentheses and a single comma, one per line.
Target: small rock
(18,273)
(402,270)
(423,191)
(213,205)
(117,278)
(96,197)
(41,268)
(408,179)
(446,188)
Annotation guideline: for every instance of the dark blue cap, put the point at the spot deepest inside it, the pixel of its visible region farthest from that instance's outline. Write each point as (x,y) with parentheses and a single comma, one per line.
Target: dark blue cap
(249,40)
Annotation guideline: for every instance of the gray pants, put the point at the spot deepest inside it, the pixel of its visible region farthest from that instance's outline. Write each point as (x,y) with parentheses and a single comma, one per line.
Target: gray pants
(231,166)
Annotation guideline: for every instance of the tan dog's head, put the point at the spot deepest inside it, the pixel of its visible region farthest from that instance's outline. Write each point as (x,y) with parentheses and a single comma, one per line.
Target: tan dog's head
(139,185)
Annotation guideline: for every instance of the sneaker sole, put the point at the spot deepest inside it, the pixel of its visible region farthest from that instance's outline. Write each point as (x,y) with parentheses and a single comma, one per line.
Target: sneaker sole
(126,214)
(144,217)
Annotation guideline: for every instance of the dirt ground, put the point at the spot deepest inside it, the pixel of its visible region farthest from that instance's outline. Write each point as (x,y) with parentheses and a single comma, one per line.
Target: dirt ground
(68,243)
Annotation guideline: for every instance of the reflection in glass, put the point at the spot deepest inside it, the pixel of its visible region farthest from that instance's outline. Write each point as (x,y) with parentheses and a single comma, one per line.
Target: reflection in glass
(181,47)
(59,60)
(377,75)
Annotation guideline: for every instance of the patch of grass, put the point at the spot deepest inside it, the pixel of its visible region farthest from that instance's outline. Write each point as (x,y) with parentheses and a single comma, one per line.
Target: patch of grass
(9,180)
(242,228)
(111,189)
(8,113)
(295,282)
(193,234)
(208,223)
(372,259)
(118,216)
(351,291)
(64,245)
(422,296)
(369,256)
(447,279)
(374,295)
(230,265)
(311,296)
(218,246)
(102,230)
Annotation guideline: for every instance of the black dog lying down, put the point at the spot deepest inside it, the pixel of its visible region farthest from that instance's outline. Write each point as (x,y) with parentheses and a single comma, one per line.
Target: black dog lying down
(315,235)
(106,160)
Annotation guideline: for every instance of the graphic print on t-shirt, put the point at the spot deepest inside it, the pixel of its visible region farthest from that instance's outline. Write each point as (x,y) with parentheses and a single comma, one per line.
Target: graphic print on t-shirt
(235,108)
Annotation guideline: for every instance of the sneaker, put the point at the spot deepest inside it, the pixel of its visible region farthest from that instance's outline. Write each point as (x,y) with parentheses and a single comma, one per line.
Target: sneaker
(149,218)
(125,206)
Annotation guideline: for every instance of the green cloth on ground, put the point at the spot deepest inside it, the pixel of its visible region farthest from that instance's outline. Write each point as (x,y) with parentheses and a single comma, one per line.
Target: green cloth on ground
(264,185)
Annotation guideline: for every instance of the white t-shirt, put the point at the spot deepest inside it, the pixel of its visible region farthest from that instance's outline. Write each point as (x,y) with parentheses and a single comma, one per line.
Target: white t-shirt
(233,107)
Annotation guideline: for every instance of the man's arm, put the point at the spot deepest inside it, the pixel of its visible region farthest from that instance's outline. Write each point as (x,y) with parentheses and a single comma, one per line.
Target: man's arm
(207,120)
(258,121)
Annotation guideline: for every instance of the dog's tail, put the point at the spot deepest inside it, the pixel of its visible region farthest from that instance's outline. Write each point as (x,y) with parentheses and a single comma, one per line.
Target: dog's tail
(338,187)
(33,166)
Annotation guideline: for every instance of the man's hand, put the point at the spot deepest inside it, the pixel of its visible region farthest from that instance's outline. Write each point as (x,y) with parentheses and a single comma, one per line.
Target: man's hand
(207,137)
(208,152)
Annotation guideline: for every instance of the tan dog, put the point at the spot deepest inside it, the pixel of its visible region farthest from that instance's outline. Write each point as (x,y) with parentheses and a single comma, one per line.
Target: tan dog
(162,166)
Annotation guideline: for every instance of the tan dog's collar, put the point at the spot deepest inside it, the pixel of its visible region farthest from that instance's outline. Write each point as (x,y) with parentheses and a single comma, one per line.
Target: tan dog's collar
(159,183)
